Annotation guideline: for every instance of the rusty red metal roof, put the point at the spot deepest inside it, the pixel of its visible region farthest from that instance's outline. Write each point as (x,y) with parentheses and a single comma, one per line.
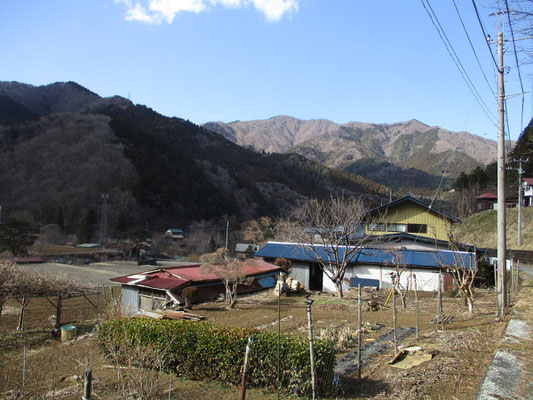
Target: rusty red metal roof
(487,195)
(529,181)
(170,278)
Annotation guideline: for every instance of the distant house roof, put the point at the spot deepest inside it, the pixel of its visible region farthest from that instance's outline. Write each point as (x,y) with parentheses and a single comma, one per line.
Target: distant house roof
(244,247)
(488,196)
(174,230)
(414,258)
(171,278)
(411,199)
(398,236)
(529,181)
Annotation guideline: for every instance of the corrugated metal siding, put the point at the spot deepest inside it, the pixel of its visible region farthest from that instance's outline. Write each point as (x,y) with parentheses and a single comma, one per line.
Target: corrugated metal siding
(300,272)
(130,300)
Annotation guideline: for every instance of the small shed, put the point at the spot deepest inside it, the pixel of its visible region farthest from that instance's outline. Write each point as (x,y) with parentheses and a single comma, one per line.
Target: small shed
(152,290)
(485,201)
(245,250)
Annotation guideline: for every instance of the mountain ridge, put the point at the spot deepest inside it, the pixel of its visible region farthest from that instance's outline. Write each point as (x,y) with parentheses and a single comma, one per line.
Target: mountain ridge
(408,144)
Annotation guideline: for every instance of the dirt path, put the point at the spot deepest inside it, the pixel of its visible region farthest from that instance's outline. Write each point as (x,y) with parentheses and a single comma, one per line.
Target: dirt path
(348,364)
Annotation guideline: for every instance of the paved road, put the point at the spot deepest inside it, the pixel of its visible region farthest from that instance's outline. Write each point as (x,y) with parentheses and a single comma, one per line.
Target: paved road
(97,273)
(510,374)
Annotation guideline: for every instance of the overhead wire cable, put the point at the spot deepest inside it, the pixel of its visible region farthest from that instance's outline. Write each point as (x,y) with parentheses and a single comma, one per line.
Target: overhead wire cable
(459,63)
(434,20)
(473,49)
(517,64)
(485,35)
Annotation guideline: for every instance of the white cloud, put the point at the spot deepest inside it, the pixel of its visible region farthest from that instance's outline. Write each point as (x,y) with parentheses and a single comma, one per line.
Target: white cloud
(274,9)
(156,11)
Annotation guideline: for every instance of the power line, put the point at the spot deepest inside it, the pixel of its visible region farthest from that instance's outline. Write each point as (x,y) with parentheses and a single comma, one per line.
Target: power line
(455,58)
(517,65)
(473,49)
(485,36)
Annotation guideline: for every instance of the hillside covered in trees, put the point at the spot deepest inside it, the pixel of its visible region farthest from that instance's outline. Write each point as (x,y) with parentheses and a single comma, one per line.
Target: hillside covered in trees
(479,180)
(62,146)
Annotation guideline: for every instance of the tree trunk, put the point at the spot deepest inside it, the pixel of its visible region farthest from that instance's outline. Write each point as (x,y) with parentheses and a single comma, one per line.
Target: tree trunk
(233,296)
(470,304)
(338,286)
(59,308)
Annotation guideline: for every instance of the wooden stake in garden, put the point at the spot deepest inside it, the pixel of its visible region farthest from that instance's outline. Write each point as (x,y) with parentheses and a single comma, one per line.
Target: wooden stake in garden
(417,328)
(24,302)
(308,303)
(245,367)
(441,314)
(394,322)
(359,333)
(87,384)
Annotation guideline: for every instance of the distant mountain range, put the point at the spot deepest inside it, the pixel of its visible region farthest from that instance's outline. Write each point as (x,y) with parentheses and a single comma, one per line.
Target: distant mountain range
(62,146)
(402,155)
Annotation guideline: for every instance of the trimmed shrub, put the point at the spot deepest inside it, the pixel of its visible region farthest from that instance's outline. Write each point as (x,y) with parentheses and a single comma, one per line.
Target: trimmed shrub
(200,350)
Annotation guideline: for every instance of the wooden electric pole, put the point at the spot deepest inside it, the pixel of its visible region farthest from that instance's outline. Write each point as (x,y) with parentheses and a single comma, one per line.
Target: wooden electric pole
(501,253)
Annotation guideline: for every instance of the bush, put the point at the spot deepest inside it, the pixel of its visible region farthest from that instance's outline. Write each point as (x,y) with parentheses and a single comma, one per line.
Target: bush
(188,293)
(206,351)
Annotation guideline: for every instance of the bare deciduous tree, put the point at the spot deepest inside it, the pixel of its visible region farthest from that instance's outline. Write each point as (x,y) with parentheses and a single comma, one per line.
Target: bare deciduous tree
(259,231)
(463,270)
(332,232)
(400,268)
(22,285)
(7,276)
(230,272)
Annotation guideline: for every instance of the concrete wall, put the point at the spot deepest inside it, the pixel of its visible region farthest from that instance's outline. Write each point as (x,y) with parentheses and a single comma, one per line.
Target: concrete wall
(427,279)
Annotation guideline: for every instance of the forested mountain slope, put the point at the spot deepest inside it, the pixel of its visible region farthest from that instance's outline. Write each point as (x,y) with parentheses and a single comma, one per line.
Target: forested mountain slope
(62,146)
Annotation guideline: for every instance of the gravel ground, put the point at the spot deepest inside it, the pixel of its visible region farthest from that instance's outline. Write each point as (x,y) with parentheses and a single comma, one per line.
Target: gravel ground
(96,273)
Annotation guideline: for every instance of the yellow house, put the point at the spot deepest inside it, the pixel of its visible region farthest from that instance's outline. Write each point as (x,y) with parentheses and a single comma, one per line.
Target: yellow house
(412,216)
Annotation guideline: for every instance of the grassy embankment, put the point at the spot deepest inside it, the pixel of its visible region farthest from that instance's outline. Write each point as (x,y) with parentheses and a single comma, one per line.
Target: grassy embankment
(481,229)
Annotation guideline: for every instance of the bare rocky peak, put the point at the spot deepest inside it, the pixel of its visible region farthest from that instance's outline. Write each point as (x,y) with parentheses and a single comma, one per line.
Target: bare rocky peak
(335,144)
(273,135)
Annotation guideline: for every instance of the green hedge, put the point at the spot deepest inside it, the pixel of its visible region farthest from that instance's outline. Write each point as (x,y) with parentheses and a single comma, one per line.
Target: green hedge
(211,352)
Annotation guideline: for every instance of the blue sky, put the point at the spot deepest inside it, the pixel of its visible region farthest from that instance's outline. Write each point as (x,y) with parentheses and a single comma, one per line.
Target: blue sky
(203,60)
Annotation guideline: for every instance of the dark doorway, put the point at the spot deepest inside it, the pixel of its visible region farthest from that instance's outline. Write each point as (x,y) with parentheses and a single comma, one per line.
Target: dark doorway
(315,277)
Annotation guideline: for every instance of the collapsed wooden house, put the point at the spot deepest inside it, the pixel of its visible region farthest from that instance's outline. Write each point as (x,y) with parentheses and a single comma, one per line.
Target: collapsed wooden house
(155,289)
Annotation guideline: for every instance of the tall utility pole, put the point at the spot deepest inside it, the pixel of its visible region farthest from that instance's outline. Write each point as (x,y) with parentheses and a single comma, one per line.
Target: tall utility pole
(103,222)
(227,234)
(501,284)
(520,171)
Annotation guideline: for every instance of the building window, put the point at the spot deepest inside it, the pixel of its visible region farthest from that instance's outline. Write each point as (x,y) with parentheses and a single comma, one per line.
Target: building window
(417,228)
(377,227)
(397,228)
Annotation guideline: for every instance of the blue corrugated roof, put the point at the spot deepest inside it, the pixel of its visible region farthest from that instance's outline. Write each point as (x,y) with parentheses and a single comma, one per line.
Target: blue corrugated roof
(416,258)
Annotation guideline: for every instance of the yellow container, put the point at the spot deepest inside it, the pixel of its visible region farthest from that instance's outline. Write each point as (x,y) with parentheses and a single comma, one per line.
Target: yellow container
(68,332)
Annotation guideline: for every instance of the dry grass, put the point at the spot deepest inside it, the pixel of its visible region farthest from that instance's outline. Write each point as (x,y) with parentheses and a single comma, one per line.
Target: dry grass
(481,229)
